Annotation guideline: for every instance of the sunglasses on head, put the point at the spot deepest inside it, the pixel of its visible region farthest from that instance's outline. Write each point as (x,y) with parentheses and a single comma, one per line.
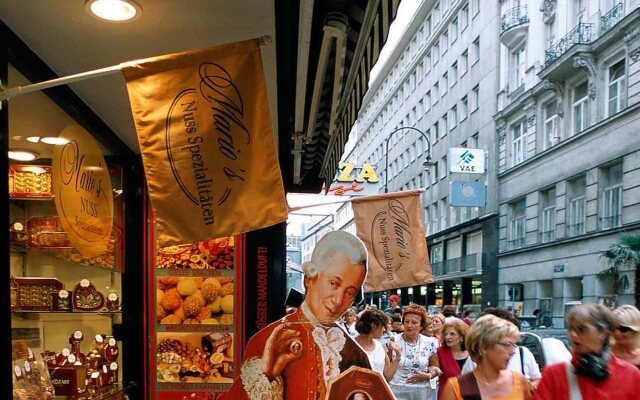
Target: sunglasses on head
(624,329)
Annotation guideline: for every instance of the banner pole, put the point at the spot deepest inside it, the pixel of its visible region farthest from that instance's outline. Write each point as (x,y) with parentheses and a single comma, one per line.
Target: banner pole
(7,94)
(291,209)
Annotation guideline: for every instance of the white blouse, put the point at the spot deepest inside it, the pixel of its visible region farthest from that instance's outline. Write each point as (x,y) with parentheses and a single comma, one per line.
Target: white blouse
(415,357)
(377,357)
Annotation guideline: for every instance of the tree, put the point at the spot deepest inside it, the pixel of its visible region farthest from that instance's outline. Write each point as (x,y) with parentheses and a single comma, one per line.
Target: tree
(624,253)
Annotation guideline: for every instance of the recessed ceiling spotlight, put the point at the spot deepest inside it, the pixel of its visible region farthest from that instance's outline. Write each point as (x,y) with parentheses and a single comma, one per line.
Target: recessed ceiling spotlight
(22,155)
(33,139)
(54,140)
(114,10)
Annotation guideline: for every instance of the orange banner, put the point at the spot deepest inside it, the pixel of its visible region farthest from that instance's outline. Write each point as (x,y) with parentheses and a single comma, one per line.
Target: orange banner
(391,227)
(206,142)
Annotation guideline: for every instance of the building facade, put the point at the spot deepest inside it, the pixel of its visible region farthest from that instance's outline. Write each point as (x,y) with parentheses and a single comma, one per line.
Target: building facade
(442,79)
(569,152)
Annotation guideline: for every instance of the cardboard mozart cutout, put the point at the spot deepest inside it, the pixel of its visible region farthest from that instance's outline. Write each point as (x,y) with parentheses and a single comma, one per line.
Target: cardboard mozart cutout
(302,354)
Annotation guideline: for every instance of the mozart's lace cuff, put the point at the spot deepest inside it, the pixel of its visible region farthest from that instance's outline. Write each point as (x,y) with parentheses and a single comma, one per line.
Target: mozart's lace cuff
(257,385)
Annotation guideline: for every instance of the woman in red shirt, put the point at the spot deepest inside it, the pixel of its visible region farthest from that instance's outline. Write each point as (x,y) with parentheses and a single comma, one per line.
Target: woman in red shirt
(594,372)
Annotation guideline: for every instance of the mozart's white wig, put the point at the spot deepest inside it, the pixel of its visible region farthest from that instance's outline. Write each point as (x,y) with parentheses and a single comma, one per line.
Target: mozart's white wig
(335,242)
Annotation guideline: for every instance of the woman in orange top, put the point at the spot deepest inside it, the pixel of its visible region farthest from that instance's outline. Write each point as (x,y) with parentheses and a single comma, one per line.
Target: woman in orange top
(491,342)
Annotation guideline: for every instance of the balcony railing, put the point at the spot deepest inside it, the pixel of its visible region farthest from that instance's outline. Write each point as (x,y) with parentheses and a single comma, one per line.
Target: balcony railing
(516,243)
(581,34)
(611,18)
(437,268)
(514,17)
(456,265)
(612,221)
(576,229)
(547,236)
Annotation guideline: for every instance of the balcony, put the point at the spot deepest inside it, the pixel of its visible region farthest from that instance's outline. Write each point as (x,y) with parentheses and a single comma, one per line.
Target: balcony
(611,18)
(462,266)
(515,24)
(581,34)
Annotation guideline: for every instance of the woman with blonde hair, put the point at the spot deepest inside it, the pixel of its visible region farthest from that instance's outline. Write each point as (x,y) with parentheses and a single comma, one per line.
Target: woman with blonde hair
(438,324)
(427,330)
(411,380)
(491,342)
(627,334)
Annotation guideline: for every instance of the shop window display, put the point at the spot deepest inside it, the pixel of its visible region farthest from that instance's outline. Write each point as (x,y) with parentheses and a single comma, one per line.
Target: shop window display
(66,214)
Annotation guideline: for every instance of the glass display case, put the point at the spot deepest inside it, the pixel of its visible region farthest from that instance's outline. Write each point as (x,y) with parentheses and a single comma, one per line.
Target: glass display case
(67,226)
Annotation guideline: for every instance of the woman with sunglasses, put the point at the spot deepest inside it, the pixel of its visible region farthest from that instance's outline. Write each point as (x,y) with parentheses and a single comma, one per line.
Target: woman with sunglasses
(491,342)
(412,378)
(627,334)
(594,371)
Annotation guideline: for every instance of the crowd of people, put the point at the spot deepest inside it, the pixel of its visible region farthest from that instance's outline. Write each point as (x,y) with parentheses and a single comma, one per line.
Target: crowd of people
(427,357)
(451,357)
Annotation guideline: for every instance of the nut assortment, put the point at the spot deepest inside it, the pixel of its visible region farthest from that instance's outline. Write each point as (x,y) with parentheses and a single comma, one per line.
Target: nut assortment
(210,254)
(185,358)
(27,181)
(195,300)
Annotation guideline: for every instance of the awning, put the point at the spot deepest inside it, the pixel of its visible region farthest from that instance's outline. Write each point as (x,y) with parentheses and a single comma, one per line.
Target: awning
(337,43)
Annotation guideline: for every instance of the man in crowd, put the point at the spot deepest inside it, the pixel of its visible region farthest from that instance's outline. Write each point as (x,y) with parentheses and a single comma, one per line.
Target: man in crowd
(295,357)
(394,301)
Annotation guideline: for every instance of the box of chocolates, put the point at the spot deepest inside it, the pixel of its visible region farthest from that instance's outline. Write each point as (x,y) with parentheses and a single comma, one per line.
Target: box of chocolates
(35,294)
(68,380)
(47,232)
(30,182)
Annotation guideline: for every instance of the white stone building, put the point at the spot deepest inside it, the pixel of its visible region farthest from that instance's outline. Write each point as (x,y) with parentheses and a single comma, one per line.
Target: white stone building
(569,148)
(442,79)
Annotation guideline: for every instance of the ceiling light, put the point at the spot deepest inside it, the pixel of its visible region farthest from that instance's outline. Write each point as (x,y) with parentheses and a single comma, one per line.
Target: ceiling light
(114,10)
(54,140)
(22,155)
(33,139)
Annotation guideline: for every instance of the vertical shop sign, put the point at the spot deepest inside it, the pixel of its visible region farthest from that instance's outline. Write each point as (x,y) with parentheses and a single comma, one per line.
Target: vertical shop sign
(264,286)
(206,142)
(83,192)
(391,228)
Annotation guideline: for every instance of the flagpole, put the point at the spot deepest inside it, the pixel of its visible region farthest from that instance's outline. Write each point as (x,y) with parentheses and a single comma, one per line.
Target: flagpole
(291,209)
(36,87)
(9,93)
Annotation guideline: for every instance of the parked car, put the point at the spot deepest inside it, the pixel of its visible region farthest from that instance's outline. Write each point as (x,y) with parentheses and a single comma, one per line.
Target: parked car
(549,346)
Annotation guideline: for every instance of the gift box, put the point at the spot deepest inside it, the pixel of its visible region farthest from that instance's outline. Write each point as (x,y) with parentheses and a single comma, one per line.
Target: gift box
(68,380)
(359,384)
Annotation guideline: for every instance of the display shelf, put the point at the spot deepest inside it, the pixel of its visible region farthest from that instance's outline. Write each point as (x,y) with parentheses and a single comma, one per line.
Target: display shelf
(47,317)
(117,392)
(28,199)
(65,312)
(58,253)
